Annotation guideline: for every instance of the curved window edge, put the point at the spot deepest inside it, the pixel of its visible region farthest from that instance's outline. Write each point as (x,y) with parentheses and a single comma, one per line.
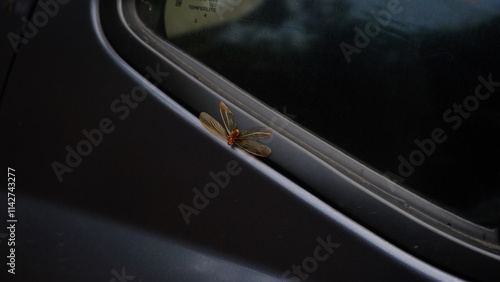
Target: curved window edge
(359,190)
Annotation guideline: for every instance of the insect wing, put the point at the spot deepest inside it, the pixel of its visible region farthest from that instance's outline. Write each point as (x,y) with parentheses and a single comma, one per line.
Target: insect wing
(255,148)
(227,118)
(213,125)
(258,132)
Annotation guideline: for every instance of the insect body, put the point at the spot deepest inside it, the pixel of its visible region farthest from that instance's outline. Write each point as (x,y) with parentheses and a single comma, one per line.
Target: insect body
(231,139)
(234,136)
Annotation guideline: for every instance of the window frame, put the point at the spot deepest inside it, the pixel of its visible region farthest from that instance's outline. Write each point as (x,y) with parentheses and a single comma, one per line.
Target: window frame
(369,197)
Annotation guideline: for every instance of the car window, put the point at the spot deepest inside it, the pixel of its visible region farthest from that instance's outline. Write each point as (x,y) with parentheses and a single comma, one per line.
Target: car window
(406,87)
